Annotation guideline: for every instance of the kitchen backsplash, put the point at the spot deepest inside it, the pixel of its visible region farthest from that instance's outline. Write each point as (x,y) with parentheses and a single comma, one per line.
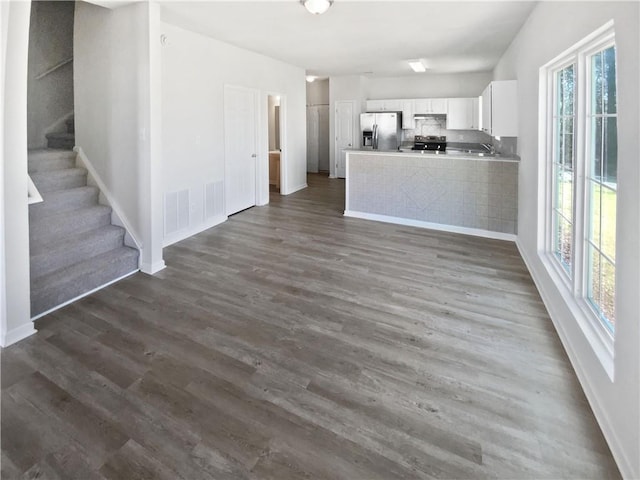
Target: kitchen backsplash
(437,125)
(506,145)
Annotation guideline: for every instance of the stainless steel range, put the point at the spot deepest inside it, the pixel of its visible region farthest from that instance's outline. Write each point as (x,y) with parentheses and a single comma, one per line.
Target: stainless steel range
(430,142)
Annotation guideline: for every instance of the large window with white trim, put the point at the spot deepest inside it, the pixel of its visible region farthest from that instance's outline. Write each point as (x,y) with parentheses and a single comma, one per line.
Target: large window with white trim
(582,174)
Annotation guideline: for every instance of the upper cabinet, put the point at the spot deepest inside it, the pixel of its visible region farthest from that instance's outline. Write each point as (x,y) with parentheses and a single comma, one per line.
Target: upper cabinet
(463,114)
(435,106)
(384,105)
(408,111)
(499,109)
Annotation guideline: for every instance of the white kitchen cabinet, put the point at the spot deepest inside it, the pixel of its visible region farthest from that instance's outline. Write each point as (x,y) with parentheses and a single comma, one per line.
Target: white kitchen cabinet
(435,106)
(499,109)
(408,110)
(384,105)
(463,114)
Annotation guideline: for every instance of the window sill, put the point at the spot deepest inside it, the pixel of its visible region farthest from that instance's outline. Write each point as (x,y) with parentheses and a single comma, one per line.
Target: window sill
(600,340)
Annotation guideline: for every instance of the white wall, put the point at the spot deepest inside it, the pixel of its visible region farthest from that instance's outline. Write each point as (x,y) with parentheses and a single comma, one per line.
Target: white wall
(114,104)
(195,70)
(352,87)
(428,85)
(15,311)
(318,92)
(551,29)
(49,98)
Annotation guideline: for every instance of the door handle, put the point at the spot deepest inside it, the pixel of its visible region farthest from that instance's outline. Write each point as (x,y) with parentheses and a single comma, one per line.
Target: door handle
(253,155)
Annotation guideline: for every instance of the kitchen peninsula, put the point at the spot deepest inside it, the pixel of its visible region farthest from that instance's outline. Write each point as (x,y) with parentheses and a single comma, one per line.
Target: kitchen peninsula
(466,193)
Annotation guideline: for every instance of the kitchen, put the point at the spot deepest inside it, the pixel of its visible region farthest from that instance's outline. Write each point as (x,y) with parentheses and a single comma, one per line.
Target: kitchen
(407,171)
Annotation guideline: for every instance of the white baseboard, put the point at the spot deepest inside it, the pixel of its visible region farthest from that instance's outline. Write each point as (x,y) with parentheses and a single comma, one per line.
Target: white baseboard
(17,334)
(68,302)
(432,226)
(151,268)
(184,234)
(296,189)
(600,412)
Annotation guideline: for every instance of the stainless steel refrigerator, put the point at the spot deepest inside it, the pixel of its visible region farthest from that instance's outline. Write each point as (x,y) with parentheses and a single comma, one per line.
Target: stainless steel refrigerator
(380,131)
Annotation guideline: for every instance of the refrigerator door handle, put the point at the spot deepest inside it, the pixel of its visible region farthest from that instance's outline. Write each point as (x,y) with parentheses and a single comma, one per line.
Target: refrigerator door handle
(375,136)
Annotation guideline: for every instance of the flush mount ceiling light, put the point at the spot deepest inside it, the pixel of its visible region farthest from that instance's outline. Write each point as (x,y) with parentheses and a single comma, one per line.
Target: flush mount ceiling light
(310,78)
(316,7)
(417,66)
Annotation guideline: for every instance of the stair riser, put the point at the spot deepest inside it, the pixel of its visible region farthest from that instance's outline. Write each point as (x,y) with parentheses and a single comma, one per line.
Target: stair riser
(41,233)
(54,294)
(67,144)
(57,180)
(48,164)
(48,262)
(61,202)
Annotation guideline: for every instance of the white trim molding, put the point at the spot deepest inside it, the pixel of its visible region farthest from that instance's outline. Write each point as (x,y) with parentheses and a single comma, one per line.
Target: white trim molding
(476,232)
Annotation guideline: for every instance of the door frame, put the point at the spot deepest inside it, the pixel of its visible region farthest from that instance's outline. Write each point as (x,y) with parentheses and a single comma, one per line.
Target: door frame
(257,124)
(333,169)
(284,189)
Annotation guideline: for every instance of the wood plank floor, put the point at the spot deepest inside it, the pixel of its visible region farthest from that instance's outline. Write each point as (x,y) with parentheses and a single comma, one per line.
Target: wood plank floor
(291,342)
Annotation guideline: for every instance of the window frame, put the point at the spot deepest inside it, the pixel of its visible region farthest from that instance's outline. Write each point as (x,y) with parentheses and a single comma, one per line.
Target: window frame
(573,288)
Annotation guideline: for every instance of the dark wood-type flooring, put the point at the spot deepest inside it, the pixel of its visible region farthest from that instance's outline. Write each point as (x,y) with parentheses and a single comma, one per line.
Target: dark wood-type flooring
(290,343)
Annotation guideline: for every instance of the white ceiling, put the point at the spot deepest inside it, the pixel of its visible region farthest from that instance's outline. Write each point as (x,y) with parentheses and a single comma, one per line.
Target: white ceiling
(362,37)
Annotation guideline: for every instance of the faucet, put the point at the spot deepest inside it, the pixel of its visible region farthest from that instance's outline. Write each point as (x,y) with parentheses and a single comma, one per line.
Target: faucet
(490,147)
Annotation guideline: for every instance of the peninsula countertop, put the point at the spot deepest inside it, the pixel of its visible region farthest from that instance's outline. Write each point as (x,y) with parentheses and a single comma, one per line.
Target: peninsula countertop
(452,153)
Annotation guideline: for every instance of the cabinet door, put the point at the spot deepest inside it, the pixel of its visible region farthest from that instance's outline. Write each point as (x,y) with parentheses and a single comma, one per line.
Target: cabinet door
(393,105)
(422,106)
(375,105)
(475,113)
(408,122)
(504,112)
(486,110)
(438,106)
(459,114)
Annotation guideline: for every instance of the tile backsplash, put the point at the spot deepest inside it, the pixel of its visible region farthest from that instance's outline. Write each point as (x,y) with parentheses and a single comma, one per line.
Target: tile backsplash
(437,125)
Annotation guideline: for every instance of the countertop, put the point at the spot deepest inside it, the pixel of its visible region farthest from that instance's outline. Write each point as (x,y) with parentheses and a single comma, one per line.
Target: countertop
(428,153)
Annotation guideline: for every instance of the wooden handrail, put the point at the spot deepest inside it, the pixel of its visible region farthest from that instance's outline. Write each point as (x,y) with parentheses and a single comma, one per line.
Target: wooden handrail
(55,67)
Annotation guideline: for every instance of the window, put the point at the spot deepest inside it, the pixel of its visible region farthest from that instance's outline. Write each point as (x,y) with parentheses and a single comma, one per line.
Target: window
(582,154)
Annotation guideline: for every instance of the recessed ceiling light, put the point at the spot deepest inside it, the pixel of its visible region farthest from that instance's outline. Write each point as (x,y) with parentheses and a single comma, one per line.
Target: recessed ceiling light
(417,66)
(316,7)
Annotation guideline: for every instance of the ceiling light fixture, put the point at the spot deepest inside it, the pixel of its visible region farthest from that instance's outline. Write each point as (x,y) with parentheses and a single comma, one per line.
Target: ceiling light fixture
(310,78)
(316,7)
(417,66)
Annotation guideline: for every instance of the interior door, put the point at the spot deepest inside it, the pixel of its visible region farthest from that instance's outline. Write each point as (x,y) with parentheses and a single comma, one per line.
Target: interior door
(344,134)
(240,148)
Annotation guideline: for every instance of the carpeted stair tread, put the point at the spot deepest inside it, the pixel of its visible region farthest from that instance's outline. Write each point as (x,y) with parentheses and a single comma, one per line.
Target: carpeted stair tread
(54,180)
(61,140)
(63,201)
(59,286)
(50,159)
(56,228)
(46,258)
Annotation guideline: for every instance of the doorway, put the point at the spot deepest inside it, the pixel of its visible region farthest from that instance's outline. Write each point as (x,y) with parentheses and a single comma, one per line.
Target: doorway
(275,105)
(344,134)
(240,148)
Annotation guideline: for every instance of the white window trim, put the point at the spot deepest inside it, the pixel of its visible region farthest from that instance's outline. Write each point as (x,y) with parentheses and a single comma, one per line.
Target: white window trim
(572,289)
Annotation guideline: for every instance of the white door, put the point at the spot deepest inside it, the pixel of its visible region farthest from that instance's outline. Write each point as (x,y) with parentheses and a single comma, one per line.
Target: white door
(240,148)
(344,134)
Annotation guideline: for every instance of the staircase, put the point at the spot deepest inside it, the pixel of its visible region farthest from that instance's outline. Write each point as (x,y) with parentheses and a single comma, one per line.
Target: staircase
(74,247)
(65,140)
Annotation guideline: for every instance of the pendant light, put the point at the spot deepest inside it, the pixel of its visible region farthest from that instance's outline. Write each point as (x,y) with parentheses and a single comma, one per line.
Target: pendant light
(316,7)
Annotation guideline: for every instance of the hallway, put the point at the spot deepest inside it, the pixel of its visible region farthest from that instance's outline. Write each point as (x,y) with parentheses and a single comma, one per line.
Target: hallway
(291,342)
